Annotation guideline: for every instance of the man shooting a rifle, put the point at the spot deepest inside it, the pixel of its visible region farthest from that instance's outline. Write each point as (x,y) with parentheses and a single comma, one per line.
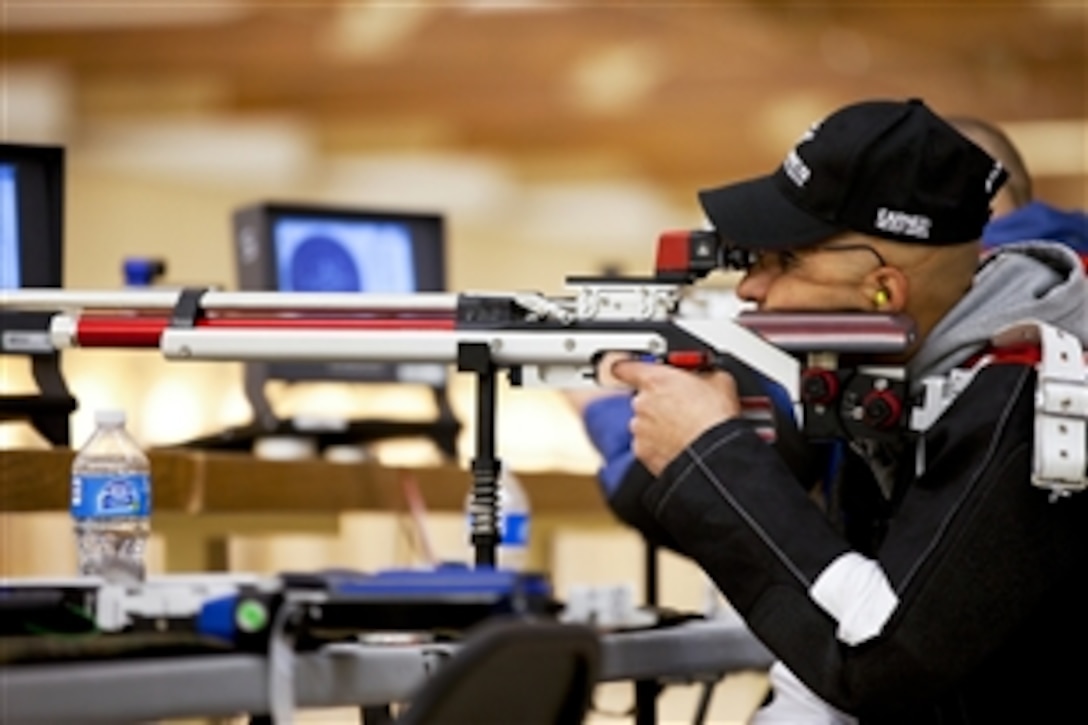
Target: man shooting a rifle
(932,583)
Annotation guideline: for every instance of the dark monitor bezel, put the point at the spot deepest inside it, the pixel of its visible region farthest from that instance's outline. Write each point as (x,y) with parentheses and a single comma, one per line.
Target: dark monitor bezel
(430,267)
(40,173)
(429,263)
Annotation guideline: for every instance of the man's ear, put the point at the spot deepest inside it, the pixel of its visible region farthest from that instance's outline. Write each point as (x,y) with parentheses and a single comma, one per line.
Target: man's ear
(889,289)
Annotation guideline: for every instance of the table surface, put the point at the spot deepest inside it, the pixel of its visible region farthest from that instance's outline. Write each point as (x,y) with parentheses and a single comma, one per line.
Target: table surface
(337,675)
(220,482)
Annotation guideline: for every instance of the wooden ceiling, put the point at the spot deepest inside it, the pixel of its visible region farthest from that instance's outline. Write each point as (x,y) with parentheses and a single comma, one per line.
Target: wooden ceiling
(683,94)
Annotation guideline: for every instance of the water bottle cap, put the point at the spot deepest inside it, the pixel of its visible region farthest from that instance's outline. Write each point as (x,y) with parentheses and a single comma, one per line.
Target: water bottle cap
(109,416)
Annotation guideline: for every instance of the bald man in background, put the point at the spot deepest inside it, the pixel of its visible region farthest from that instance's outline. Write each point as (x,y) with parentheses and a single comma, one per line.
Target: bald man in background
(1017,215)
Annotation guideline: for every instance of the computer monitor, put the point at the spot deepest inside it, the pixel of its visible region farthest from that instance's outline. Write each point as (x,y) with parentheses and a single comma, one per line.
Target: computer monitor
(309,248)
(31,216)
(292,247)
(31,255)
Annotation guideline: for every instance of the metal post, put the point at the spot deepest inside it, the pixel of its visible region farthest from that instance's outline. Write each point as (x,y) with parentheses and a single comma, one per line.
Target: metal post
(646,691)
(483,509)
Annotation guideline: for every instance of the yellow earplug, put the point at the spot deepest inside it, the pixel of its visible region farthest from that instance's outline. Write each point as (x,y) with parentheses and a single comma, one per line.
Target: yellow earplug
(880,298)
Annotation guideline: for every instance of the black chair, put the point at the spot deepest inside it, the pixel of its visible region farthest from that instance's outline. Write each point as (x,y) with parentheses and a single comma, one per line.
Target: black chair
(529,672)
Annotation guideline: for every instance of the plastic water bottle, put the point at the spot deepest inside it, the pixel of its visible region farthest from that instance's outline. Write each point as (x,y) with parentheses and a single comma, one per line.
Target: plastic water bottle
(111,501)
(514,522)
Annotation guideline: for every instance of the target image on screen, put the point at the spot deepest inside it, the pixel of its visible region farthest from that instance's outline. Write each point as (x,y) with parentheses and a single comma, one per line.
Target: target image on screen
(330,255)
(9,229)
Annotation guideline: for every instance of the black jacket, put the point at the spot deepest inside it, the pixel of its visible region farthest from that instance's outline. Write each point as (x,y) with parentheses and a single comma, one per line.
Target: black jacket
(992,614)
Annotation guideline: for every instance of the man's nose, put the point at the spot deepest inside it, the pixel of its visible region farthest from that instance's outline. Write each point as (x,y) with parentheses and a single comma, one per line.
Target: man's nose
(753,286)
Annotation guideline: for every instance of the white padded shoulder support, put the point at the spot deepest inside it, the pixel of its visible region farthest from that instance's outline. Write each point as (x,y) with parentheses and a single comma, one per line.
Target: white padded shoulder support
(1060,460)
(1061,406)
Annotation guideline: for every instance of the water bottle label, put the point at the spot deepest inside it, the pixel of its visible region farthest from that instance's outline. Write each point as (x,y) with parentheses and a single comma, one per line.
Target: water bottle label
(515,530)
(98,496)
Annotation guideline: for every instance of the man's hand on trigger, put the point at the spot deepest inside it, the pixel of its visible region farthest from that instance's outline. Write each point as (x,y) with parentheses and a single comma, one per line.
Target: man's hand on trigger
(673,407)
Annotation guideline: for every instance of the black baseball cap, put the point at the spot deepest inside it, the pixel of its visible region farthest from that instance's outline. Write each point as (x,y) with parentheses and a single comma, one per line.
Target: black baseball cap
(891,169)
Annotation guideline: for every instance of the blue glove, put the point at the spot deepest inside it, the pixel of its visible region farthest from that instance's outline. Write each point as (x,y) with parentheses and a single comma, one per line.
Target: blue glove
(780,399)
(607,422)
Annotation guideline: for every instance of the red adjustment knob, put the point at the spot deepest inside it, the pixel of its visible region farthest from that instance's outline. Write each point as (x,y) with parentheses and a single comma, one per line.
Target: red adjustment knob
(819,386)
(881,409)
(690,360)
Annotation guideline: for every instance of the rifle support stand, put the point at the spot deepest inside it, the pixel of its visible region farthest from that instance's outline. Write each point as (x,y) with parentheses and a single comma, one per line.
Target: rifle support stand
(484,506)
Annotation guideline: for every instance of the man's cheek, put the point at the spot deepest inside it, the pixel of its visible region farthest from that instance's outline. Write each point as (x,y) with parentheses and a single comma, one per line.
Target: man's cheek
(795,295)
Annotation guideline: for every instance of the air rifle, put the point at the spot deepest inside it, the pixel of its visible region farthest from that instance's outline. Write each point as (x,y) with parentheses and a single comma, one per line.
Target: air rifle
(538,340)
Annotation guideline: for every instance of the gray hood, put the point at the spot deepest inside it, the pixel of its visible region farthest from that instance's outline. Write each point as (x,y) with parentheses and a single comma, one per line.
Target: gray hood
(1029,281)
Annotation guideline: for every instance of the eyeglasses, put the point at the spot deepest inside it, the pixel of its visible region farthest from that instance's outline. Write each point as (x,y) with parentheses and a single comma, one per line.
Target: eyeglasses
(782,260)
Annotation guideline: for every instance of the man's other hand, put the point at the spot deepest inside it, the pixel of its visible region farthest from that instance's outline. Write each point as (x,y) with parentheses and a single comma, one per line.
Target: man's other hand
(672,407)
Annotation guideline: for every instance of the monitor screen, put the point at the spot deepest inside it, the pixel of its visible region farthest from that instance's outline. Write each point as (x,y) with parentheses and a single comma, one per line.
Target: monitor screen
(315,254)
(10,272)
(31,215)
(31,238)
(308,248)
